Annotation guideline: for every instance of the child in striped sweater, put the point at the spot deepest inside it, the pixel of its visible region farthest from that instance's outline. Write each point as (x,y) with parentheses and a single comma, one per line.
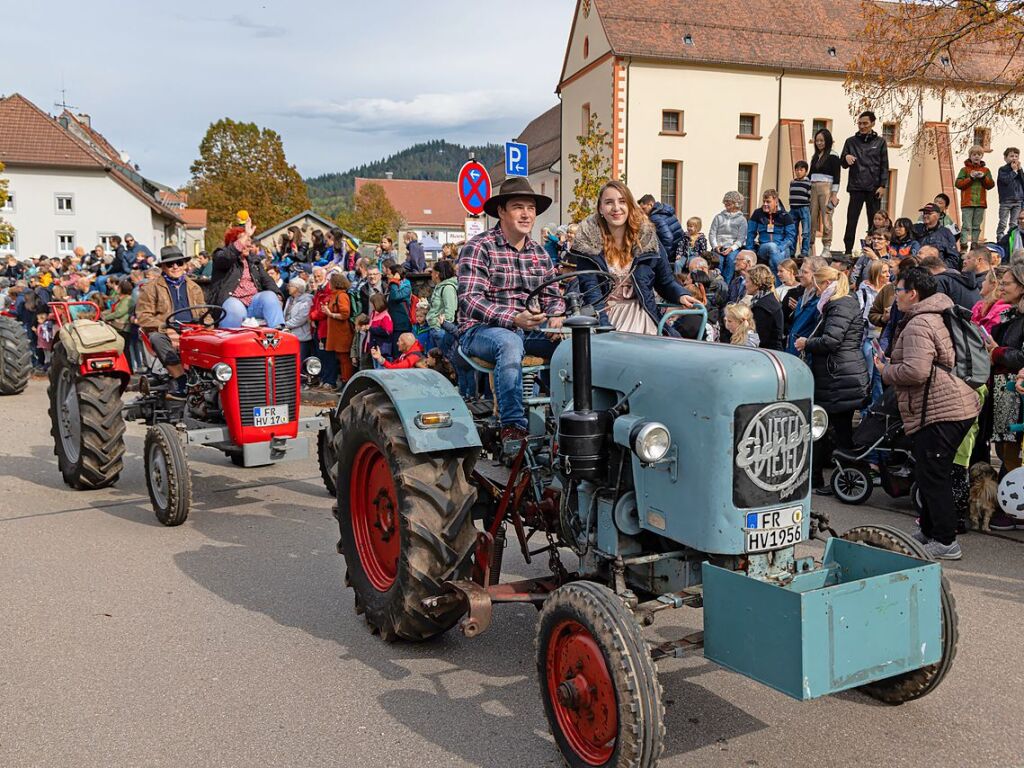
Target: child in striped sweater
(800,206)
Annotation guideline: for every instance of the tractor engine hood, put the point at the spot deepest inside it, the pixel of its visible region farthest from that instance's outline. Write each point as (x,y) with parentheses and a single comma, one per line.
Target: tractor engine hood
(740,425)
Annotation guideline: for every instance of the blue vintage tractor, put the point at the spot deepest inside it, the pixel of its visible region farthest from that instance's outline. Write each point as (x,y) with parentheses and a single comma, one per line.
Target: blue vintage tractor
(674,473)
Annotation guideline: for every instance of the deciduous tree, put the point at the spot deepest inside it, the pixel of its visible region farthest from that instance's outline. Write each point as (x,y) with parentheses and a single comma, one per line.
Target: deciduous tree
(592,166)
(240,166)
(967,53)
(372,215)
(6,230)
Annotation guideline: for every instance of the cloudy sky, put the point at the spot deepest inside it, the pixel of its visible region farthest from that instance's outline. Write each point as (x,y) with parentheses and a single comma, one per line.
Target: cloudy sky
(343,82)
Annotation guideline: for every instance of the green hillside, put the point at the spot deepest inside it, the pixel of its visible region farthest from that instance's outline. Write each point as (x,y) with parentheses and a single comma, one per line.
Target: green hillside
(433,161)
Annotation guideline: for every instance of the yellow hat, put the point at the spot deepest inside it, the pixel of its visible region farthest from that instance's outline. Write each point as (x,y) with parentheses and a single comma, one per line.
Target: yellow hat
(242,217)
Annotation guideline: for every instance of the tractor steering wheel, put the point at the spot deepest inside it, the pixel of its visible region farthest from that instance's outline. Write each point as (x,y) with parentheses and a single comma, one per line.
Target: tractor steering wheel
(574,301)
(212,312)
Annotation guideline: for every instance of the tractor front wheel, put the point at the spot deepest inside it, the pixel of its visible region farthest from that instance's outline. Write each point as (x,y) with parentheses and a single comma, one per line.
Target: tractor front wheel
(405,520)
(598,681)
(167,475)
(911,685)
(15,357)
(86,424)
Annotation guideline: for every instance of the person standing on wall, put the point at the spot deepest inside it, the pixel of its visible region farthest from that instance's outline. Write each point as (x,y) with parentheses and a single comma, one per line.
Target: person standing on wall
(866,156)
(824,177)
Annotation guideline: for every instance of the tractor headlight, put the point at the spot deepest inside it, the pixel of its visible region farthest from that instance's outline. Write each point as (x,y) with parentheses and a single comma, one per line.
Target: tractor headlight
(651,441)
(819,422)
(313,366)
(222,372)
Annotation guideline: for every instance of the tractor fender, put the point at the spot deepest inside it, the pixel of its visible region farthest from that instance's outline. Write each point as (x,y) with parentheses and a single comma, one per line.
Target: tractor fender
(416,391)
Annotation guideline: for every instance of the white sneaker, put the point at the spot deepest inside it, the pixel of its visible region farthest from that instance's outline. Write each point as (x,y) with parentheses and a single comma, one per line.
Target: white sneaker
(250,322)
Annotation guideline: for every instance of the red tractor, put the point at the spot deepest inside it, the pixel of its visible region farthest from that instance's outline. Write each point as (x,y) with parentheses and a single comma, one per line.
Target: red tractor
(242,398)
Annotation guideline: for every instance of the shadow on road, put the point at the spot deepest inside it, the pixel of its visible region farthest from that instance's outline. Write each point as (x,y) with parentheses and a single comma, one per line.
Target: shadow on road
(283,564)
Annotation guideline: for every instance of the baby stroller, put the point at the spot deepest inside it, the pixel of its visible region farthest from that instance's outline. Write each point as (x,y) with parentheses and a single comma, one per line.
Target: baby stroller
(878,440)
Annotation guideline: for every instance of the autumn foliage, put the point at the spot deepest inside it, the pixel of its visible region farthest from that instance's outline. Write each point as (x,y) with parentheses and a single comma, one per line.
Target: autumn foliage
(966,53)
(592,166)
(242,166)
(371,215)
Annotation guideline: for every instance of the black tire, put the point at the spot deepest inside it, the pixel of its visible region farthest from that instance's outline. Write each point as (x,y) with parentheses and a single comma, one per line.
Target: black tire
(86,424)
(636,692)
(326,457)
(911,685)
(426,500)
(15,357)
(167,475)
(237,459)
(852,484)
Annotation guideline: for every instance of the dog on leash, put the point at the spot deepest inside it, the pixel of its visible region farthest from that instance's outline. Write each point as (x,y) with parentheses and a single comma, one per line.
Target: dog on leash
(984,495)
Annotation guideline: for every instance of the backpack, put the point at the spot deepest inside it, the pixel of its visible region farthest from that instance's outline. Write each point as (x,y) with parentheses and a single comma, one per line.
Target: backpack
(973,362)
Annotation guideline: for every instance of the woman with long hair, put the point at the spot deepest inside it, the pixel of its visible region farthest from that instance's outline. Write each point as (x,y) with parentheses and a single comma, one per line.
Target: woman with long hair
(399,295)
(824,177)
(837,362)
(339,326)
(620,241)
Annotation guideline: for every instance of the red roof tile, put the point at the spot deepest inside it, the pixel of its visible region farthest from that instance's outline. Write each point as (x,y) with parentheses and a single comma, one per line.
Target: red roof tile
(29,136)
(423,203)
(757,33)
(194,218)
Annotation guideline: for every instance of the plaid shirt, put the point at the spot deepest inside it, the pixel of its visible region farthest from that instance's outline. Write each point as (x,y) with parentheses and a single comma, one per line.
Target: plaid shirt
(495,279)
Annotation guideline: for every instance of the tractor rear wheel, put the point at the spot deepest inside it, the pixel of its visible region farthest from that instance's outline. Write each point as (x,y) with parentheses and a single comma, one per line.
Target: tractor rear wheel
(15,357)
(405,520)
(911,685)
(598,681)
(86,424)
(167,475)
(326,457)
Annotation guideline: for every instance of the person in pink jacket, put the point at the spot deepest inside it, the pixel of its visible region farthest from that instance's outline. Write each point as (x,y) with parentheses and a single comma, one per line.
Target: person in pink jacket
(988,312)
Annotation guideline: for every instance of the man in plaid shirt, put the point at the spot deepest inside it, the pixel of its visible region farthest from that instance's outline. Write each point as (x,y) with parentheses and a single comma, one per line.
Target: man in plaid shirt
(497,270)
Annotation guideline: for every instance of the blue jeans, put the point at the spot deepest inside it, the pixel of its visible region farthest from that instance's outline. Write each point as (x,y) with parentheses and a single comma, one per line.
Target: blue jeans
(802,218)
(328,365)
(728,265)
(506,348)
(774,254)
(876,375)
(466,376)
(265,305)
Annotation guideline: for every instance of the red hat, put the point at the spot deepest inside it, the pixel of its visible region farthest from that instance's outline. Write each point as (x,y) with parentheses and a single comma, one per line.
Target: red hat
(233,234)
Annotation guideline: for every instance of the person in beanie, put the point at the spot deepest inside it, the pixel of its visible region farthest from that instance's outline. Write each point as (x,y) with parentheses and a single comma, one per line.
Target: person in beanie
(241,285)
(171,292)
(936,406)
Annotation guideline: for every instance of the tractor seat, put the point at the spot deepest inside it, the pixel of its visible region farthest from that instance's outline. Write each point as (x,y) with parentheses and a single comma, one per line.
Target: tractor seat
(529,361)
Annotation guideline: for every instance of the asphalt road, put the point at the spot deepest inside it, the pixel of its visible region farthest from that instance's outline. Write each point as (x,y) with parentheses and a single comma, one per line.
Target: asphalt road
(231,641)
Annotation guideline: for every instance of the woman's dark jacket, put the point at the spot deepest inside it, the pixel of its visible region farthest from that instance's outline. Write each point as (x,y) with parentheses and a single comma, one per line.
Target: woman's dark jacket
(769,322)
(227,271)
(1008,357)
(837,358)
(650,270)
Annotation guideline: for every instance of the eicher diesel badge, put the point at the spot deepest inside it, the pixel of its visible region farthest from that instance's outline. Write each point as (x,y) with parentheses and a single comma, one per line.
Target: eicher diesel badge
(775,448)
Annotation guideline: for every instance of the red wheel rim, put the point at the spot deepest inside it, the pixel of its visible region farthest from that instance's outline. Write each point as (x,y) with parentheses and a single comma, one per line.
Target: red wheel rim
(582,693)
(373,507)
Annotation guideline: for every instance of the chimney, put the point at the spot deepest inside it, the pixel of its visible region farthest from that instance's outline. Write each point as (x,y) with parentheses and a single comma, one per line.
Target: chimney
(86,120)
(389,175)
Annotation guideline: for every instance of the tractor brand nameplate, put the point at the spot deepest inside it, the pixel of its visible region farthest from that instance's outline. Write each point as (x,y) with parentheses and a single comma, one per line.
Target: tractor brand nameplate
(772,452)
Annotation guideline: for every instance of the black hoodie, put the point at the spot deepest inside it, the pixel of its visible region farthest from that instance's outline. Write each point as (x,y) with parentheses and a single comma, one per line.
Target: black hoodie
(959,288)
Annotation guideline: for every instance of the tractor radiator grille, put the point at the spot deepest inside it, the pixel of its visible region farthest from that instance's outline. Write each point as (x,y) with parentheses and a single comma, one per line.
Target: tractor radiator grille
(256,387)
